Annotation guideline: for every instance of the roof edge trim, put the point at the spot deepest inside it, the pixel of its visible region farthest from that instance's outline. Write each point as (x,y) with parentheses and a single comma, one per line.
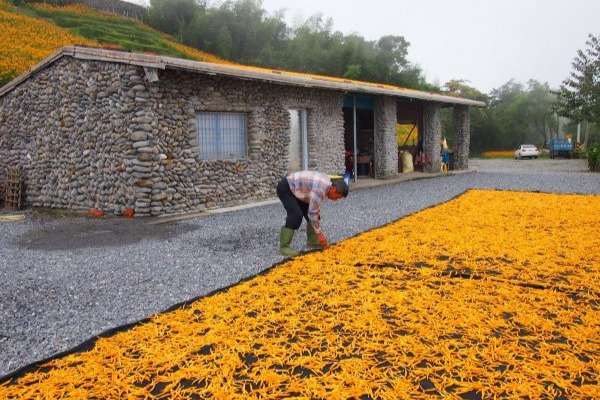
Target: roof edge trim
(261,74)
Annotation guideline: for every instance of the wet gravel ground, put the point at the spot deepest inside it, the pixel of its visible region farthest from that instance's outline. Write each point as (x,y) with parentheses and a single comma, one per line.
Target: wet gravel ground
(527,166)
(63,281)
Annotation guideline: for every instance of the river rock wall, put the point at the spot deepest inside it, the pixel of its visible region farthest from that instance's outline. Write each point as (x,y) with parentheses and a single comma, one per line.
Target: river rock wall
(93,134)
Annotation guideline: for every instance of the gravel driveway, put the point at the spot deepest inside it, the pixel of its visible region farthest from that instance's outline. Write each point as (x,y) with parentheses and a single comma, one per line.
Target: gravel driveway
(539,166)
(66,280)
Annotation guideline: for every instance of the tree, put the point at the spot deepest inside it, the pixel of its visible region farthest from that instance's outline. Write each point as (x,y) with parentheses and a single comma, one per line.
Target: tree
(516,114)
(173,16)
(353,71)
(391,57)
(460,88)
(243,31)
(484,132)
(540,109)
(224,43)
(579,95)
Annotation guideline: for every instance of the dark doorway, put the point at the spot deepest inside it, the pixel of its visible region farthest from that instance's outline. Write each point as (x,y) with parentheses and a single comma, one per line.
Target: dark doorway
(365,124)
(409,131)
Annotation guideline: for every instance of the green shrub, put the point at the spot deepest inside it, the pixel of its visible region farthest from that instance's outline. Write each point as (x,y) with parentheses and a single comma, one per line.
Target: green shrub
(6,77)
(593,157)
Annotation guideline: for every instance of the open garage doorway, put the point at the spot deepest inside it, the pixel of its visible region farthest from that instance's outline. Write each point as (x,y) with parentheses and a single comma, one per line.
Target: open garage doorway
(409,130)
(359,128)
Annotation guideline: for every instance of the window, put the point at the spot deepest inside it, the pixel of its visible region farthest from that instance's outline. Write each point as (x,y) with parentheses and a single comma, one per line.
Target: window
(222,136)
(298,147)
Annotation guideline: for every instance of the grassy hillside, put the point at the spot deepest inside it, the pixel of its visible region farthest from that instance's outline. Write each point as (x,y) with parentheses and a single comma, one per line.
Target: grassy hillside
(25,40)
(30,33)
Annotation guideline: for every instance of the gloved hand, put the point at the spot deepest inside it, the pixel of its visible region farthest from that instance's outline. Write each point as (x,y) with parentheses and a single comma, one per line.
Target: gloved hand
(323,241)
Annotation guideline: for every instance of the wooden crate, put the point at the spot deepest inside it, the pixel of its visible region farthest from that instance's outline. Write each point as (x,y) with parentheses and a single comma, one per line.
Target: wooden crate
(13,190)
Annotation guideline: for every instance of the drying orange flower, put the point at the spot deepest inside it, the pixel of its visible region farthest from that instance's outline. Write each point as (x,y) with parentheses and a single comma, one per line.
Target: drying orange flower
(128,213)
(491,295)
(95,213)
(498,154)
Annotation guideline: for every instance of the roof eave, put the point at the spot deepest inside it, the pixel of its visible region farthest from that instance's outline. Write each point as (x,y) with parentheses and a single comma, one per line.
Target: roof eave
(162,62)
(216,69)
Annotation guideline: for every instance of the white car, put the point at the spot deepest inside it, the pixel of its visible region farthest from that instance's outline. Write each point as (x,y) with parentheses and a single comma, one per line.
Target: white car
(527,151)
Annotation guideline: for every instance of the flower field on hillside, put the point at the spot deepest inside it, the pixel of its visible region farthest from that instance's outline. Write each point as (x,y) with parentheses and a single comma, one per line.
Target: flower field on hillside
(26,40)
(29,35)
(79,9)
(126,33)
(491,295)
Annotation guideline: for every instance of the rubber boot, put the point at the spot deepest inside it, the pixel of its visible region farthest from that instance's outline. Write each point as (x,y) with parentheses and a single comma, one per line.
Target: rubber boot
(285,238)
(312,239)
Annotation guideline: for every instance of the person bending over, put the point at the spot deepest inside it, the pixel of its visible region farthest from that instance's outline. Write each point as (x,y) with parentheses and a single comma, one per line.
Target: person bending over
(302,194)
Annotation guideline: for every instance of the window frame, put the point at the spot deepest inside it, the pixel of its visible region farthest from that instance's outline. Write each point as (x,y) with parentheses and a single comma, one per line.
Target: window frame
(219,135)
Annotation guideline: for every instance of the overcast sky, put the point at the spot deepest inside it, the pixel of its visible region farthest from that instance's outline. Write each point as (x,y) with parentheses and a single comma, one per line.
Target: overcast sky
(486,42)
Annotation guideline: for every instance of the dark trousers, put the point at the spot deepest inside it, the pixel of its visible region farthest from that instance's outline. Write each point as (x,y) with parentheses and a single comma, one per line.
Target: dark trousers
(296,209)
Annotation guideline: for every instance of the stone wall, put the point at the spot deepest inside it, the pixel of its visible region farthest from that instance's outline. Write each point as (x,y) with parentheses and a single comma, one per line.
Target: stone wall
(68,126)
(220,183)
(385,141)
(462,125)
(432,136)
(96,134)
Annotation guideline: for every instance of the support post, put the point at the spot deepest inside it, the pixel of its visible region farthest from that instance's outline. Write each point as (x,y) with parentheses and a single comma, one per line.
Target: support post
(385,142)
(462,126)
(432,137)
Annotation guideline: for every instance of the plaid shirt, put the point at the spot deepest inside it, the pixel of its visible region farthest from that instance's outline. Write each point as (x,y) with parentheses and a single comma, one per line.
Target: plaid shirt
(310,187)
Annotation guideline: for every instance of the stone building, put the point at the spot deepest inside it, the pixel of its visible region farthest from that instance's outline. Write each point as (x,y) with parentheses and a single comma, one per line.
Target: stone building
(105,129)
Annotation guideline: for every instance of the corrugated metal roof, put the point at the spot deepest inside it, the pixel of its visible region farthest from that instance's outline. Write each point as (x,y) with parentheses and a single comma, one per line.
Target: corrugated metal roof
(240,71)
